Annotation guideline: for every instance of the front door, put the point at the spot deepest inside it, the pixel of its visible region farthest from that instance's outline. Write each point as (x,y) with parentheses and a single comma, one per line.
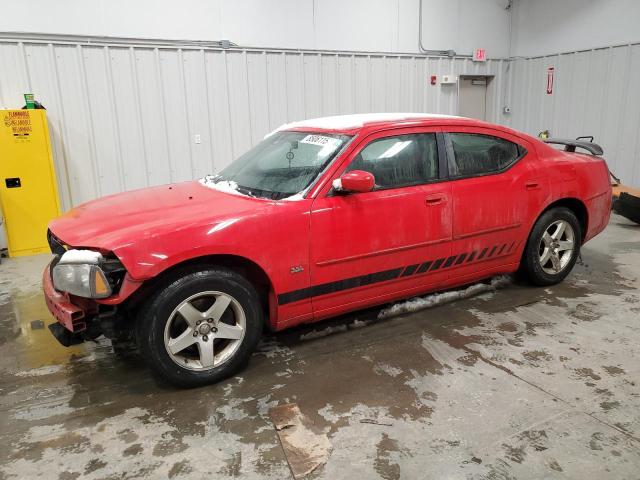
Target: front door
(372,247)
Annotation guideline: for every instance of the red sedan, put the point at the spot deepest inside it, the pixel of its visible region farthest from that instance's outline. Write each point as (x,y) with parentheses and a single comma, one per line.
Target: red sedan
(322,217)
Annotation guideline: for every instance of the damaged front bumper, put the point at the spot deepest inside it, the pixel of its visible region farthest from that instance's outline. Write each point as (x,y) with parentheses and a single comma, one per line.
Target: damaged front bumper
(70,316)
(81,319)
(72,320)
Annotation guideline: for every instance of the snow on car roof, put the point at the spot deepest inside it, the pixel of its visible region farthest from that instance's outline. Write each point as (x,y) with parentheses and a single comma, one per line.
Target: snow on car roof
(349,122)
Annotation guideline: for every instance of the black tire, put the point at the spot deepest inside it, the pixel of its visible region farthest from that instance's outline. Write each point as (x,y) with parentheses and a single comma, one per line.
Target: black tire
(157,312)
(531,259)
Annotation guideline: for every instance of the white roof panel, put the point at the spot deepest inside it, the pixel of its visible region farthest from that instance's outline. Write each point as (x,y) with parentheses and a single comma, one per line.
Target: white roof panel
(348,122)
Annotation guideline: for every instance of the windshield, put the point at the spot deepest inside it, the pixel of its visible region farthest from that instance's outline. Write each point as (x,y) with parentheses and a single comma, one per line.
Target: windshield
(282,165)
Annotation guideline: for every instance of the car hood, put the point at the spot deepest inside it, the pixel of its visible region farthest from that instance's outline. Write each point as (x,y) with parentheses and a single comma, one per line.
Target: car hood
(117,220)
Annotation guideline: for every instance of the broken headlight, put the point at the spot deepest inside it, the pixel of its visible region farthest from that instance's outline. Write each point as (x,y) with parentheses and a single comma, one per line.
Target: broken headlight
(80,273)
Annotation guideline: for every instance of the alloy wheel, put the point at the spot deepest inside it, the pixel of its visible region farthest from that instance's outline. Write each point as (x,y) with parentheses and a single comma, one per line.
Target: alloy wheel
(557,247)
(205,330)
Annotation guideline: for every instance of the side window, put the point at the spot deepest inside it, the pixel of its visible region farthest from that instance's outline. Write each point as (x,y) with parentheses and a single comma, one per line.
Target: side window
(399,161)
(475,154)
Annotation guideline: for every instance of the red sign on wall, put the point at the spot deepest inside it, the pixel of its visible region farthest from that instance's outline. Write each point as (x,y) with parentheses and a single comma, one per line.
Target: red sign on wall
(550,71)
(479,55)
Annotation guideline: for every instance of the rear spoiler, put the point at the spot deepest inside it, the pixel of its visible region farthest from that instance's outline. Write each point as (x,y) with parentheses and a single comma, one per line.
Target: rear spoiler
(571,145)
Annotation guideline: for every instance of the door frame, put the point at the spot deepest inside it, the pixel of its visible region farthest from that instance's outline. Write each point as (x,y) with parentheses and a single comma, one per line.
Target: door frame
(486,131)
(489,113)
(325,184)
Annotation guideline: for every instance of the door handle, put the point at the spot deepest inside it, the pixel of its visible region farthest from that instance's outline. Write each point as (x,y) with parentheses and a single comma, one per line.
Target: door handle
(436,199)
(532,185)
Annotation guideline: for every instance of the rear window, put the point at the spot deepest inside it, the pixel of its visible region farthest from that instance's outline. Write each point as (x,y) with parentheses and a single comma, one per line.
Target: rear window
(476,154)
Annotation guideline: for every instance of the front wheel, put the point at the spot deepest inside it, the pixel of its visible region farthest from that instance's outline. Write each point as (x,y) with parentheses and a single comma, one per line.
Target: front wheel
(553,247)
(201,328)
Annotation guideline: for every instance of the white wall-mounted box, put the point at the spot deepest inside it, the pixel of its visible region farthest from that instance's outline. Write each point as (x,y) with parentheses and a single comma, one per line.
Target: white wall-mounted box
(449,80)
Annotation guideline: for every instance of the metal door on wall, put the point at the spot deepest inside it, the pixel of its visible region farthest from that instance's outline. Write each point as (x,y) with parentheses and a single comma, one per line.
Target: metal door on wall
(472,97)
(28,189)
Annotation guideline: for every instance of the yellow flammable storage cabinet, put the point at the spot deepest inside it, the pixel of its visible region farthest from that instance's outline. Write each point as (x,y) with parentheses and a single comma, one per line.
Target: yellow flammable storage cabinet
(28,188)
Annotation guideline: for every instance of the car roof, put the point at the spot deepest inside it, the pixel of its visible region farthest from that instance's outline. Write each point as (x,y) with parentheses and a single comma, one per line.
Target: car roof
(352,124)
(360,120)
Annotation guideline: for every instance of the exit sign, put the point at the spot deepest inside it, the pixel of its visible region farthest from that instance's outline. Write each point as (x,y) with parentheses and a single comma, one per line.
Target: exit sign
(479,55)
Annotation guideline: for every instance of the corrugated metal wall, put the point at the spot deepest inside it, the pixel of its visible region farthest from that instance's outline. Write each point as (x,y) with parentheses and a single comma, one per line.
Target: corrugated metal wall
(126,116)
(595,92)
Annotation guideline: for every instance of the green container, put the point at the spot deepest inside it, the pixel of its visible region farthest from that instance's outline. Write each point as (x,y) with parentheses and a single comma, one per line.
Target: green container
(31,103)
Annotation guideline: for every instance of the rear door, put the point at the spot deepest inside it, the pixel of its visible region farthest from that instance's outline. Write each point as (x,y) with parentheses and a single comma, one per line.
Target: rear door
(368,247)
(496,188)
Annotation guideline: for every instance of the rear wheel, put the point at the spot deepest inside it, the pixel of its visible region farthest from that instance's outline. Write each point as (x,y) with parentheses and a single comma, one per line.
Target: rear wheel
(553,247)
(200,328)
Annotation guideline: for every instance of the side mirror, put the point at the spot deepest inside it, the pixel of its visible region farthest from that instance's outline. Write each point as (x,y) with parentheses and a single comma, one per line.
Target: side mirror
(356,181)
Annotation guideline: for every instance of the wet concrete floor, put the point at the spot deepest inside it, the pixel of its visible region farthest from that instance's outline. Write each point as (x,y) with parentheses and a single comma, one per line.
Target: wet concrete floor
(520,382)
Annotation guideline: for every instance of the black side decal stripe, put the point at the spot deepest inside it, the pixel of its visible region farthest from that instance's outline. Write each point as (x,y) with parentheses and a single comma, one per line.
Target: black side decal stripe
(449,261)
(436,264)
(339,285)
(392,274)
(410,270)
(424,267)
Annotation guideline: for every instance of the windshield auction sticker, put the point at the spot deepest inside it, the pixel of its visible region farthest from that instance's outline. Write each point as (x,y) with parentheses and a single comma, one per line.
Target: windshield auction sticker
(320,140)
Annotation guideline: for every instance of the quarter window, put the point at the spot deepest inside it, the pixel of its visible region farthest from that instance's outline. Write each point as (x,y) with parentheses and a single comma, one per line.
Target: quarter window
(475,154)
(399,161)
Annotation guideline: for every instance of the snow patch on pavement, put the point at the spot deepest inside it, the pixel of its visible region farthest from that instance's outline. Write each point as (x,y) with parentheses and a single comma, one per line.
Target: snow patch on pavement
(38,372)
(44,411)
(324,332)
(386,369)
(334,329)
(428,301)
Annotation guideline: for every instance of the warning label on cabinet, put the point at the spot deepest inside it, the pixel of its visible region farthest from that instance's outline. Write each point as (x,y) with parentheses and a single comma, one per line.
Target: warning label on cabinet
(19,121)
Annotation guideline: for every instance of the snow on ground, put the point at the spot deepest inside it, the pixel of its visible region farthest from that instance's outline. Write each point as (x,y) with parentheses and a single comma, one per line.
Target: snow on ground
(324,332)
(420,303)
(333,329)
(38,372)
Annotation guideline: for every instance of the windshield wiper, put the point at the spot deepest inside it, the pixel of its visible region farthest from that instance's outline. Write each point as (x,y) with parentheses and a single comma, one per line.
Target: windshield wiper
(245,190)
(218,179)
